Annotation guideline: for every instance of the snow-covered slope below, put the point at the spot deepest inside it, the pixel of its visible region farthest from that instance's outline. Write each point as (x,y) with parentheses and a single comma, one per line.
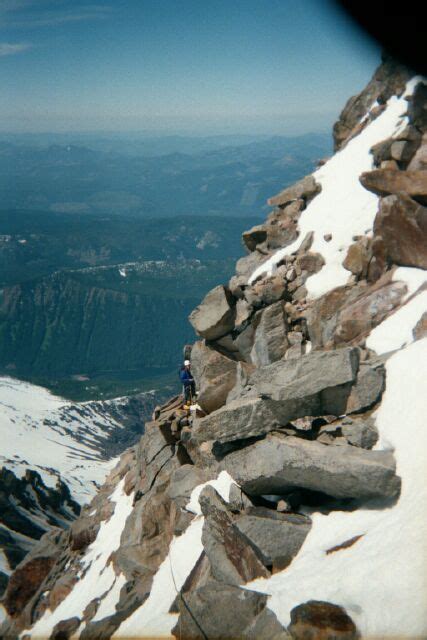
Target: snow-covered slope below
(42,432)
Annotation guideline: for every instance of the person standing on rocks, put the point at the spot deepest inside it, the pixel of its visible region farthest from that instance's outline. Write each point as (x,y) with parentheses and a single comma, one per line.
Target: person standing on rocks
(188,381)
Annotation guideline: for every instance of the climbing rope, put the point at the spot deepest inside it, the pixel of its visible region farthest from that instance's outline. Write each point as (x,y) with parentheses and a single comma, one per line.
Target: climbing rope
(180,594)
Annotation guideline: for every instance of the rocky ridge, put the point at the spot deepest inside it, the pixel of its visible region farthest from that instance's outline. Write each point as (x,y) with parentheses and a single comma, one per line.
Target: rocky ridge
(54,457)
(267,510)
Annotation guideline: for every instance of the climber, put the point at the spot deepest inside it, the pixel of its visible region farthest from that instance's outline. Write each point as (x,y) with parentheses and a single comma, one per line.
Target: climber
(188,381)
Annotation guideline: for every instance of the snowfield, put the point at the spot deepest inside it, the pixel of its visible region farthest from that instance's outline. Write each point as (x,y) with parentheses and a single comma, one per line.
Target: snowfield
(97,577)
(381,580)
(343,208)
(43,432)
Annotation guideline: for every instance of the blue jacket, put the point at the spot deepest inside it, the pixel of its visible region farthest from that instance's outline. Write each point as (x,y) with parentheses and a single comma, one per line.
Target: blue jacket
(185,376)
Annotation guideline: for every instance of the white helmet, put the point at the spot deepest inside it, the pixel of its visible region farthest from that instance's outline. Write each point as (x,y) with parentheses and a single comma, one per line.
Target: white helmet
(187,363)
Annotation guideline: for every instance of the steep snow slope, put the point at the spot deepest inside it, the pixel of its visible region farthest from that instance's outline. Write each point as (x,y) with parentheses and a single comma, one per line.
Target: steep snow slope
(381,579)
(97,577)
(343,208)
(42,432)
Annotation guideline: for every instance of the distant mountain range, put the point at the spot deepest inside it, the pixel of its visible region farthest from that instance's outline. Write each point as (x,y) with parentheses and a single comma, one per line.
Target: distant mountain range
(152,177)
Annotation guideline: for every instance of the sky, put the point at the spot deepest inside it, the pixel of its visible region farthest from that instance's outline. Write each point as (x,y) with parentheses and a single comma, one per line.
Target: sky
(178,66)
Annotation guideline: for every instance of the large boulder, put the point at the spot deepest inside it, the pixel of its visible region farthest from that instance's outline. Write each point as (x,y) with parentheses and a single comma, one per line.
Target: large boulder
(214,317)
(401,223)
(270,343)
(278,464)
(384,182)
(305,189)
(316,384)
(232,560)
(346,315)
(240,419)
(317,620)
(215,376)
(276,537)
(218,611)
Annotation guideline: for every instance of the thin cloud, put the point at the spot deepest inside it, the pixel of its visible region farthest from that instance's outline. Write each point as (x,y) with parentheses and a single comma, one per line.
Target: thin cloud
(28,14)
(11,49)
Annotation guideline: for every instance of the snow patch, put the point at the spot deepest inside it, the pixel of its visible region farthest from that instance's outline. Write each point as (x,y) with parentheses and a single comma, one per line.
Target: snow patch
(343,208)
(152,619)
(96,577)
(222,484)
(384,571)
(397,330)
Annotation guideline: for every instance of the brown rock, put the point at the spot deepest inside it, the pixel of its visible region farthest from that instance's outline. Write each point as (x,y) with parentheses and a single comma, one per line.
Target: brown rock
(266,291)
(403,150)
(237,285)
(62,587)
(389,164)
(419,161)
(247,265)
(420,329)
(358,257)
(358,318)
(215,375)
(316,620)
(270,343)
(243,313)
(402,225)
(254,236)
(387,181)
(214,316)
(233,561)
(25,582)
(310,262)
(390,78)
(65,629)
(382,152)
(306,189)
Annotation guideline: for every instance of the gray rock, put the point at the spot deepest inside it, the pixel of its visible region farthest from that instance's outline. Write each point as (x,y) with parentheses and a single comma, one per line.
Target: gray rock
(243,372)
(270,343)
(214,317)
(183,481)
(244,342)
(266,627)
(276,537)
(215,376)
(246,265)
(232,560)
(306,188)
(243,313)
(368,389)
(239,419)
(360,433)
(218,611)
(318,383)
(278,464)
(237,500)
(236,286)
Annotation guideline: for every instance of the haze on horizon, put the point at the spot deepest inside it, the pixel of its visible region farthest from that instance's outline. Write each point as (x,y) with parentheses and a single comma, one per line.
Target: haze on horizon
(190,67)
